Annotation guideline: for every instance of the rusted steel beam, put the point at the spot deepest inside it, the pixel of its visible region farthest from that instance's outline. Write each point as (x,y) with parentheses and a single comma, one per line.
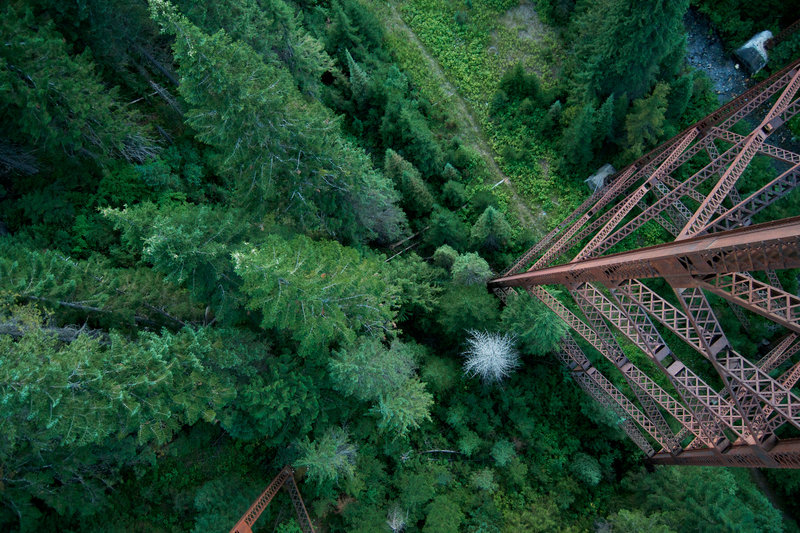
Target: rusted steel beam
(245,523)
(574,353)
(675,409)
(772,245)
(607,401)
(741,377)
(755,97)
(740,316)
(750,146)
(731,368)
(647,338)
(284,479)
(689,187)
(730,113)
(785,454)
(599,222)
(716,250)
(767,195)
(767,149)
(772,276)
(665,435)
(761,298)
(593,204)
(786,32)
(790,378)
(623,209)
(686,188)
(780,353)
(299,506)
(745,382)
(670,316)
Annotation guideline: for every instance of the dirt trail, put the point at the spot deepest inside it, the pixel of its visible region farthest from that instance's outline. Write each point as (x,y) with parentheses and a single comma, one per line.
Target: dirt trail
(465,118)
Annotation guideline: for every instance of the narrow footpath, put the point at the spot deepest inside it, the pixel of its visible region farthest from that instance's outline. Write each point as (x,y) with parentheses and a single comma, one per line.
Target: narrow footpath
(467,122)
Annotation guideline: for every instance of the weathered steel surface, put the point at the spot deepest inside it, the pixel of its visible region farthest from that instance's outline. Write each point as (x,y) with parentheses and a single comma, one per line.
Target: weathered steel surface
(716,251)
(284,479)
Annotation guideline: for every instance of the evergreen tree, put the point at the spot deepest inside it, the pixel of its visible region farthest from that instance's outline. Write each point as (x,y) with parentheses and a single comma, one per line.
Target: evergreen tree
(633,521)
(445,227)
(444,516)
(620,45)
(454,194)
(279,151)
(552,119)
(82,290)
(277,397)
(330,458)
(470,269)
(405,408)
(503,452)
(187,243)
(416,285)
(359,81)
(75,412)
(576,141)
(491,231)
(462,308)
(272,28)
(518,85)
(538,330)
(404,129)
(417,199)
(644,125)
(604,123)
(57,102)
(445,257)
(586,469)
(451,174)
(315,292)
(369,370)
(342,34)
(710,500)
(680,93)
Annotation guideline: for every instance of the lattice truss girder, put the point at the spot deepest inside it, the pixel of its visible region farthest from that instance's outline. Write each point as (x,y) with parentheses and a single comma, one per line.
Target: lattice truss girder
(716,250)
(284,479)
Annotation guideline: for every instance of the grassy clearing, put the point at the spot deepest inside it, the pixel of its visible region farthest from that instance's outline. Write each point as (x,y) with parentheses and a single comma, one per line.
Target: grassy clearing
(474,47)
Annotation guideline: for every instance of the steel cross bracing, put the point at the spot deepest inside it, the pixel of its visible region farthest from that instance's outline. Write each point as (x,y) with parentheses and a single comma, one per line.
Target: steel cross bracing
(726,411)
(284,479)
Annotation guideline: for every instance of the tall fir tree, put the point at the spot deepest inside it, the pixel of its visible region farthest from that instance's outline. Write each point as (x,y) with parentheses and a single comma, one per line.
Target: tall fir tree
(359,81)
(56,101)
(644,125)
(491,232)
(622,45)
(280,152)
(577,140)
(417,198)
(316,293)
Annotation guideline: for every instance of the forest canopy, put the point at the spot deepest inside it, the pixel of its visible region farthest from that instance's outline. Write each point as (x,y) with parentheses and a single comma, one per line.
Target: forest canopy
(237,235)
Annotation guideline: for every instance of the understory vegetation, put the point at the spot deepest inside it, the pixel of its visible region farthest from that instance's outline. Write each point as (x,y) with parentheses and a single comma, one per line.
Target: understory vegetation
(236,235)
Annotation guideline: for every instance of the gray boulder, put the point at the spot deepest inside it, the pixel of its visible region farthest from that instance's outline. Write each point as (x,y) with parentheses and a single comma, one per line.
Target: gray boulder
(598,179)
(753,55)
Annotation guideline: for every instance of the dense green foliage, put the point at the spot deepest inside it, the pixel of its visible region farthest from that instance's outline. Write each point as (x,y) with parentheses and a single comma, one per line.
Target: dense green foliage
(236,235)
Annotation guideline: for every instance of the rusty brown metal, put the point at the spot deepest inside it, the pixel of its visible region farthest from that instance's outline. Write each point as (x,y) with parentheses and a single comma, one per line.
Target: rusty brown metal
(772,245)
(716,251)
(719,121)
(780,353)
(785,454)
(284,479)
(786,32)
